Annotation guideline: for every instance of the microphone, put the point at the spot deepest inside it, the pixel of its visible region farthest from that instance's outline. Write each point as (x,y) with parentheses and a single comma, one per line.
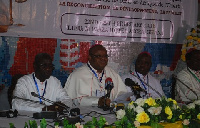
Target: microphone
(130,83)
(136,89)
(73,115)
(52,102)
(147,84)
(16,97)
(173,75)
(108,86)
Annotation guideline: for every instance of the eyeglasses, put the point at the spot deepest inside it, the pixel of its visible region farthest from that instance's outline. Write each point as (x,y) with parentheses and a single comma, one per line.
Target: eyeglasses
(43,66)
(99,56)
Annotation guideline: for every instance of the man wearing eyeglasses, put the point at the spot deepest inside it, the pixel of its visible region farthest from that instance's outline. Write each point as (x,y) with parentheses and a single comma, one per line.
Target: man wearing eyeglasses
(94,83)
(42,84)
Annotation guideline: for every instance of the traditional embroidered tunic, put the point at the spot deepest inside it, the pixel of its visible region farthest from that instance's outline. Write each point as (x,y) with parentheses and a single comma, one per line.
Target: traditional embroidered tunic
(26,85)
(190,78)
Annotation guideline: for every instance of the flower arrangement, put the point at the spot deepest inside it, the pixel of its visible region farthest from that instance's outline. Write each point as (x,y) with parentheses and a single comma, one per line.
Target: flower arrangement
(154,113)
(148,112)
(159,113)
(192,40)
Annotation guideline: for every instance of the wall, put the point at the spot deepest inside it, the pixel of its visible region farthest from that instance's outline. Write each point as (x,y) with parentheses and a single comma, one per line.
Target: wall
(17,56)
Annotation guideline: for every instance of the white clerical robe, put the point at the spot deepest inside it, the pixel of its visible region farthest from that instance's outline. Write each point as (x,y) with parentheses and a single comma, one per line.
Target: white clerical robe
(83,86)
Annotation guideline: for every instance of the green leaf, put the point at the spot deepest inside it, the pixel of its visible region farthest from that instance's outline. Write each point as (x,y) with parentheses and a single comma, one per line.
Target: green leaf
(26,125)
(11,125)
(43,123)
(32,124)
(101,122)
(56,124)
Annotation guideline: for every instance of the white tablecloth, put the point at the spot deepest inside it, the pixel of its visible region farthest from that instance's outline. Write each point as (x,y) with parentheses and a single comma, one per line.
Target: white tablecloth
(24,116)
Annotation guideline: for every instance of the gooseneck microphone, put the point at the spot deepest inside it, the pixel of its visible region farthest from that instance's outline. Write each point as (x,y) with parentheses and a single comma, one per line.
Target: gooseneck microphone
(185,86)
(52,102)
(16,97)
(132,73)
(136,89)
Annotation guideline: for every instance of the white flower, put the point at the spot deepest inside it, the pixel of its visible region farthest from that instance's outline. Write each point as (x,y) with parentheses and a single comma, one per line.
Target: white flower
(188,34)
(194,34)
(120,114)
(137,124)
(154,110)
(186,122)
(197,102)
(78,125)
(106,123)
(140,101)
(191,106)
(175,106)
(195,42)
(139,109)
(131,106)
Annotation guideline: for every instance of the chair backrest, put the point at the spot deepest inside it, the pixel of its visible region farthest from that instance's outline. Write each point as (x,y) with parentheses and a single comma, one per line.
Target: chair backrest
(12,87)
(173,89)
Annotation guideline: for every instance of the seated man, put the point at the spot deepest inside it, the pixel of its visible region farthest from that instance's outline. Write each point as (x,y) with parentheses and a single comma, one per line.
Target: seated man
(43,84)
(88,84)
(148,86)
(188,80)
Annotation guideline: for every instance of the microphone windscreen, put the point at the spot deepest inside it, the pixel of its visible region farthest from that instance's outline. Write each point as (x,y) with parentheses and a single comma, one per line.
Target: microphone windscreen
(34,94)
(108,80)
(128,82)
(108,83)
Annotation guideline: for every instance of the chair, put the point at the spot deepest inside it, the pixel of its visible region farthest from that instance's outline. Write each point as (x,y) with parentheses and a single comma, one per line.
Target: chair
(173,89)
(12,87)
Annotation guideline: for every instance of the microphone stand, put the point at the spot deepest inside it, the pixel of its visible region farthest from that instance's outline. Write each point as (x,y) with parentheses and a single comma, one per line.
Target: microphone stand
(41,97)
(71,114)
(105,107)
(16,97)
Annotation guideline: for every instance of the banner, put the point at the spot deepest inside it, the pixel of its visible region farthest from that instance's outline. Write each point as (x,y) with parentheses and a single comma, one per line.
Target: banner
(154,21)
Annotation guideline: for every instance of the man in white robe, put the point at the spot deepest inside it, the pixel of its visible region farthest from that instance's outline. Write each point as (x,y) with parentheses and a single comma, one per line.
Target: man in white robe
(188,80)
(86,85)
(149,86)
(43,84)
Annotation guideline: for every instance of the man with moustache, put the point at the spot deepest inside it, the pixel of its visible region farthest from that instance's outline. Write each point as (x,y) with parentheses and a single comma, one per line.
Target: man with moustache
(87,85)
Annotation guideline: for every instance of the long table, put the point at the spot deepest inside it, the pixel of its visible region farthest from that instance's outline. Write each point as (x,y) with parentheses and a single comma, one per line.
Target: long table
(86,112)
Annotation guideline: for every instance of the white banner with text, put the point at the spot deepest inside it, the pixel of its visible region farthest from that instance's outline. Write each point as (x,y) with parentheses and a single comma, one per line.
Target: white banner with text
(149,21)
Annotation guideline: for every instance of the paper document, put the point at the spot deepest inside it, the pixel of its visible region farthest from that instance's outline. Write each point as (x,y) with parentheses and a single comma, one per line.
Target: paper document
(123,97)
